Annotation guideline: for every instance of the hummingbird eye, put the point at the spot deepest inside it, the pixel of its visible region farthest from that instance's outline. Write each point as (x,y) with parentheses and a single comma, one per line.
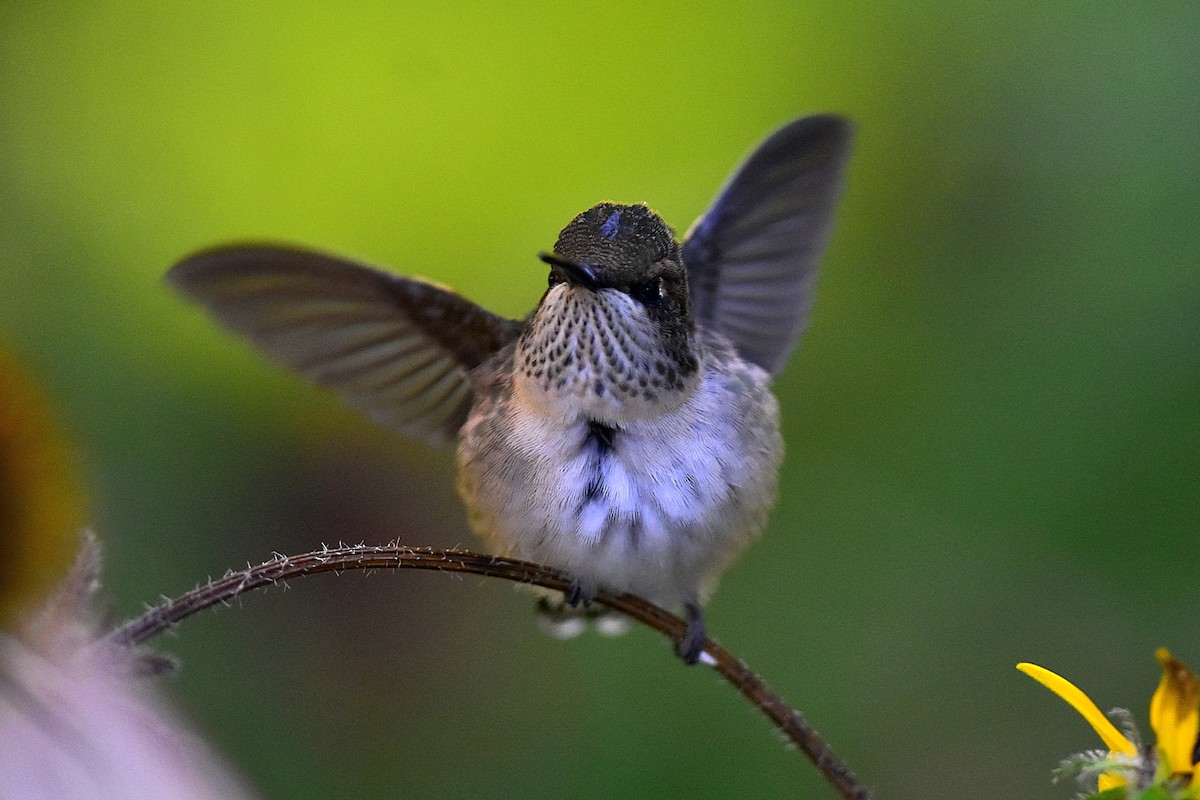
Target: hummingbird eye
(649,293)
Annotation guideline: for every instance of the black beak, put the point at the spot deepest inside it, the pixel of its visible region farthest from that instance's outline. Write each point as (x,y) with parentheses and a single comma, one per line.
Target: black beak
(571,271)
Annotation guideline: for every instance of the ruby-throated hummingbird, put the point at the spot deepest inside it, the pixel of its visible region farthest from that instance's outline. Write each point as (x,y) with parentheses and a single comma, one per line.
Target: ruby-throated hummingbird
(625,431)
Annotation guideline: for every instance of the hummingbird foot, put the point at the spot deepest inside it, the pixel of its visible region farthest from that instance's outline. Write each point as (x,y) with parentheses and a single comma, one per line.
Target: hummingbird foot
(556,619)
(691,645)
(564,621)
(579,593)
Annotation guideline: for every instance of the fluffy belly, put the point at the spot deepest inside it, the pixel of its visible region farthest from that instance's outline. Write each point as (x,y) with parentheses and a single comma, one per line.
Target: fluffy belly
(615,520)
(657,508)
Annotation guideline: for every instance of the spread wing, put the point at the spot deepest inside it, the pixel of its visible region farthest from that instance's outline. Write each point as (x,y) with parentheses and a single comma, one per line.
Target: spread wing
(752,257)
(396,348)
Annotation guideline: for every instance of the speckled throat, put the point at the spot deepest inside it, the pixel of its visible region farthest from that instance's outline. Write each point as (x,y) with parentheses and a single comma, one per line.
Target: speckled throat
(598,354)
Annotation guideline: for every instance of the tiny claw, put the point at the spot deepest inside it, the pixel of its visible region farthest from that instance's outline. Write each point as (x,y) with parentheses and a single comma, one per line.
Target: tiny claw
(579,593)
(691,645)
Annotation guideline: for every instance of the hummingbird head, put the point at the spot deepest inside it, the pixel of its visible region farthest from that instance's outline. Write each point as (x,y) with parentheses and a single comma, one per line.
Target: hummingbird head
(613,338)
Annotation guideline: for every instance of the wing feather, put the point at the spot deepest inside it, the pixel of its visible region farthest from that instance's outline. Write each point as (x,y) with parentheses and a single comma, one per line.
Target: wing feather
(752,257)
(397,348)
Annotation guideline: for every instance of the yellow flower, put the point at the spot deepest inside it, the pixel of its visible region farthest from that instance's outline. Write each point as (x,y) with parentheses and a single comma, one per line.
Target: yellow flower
(1174,718)
(1116,741)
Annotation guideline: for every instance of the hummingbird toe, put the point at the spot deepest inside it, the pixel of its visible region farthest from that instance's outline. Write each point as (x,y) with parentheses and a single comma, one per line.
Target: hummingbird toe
(559,621)
(580,592)
(691,645)
(563,620)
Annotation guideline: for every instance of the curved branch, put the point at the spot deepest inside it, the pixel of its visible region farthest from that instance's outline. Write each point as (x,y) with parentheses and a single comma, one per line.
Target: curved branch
(160,618)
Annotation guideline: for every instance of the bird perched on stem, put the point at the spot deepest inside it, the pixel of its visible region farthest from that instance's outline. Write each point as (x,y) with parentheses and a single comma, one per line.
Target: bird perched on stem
(624,431)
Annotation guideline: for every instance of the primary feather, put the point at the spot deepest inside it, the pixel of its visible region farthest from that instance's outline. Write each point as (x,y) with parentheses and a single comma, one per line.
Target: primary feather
(397,348)
(752,257)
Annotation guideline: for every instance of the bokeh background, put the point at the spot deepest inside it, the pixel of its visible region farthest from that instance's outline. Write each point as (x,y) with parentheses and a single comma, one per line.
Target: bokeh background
(993,422)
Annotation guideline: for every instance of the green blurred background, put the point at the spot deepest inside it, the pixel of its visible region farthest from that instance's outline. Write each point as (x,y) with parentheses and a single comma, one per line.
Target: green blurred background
(993,422)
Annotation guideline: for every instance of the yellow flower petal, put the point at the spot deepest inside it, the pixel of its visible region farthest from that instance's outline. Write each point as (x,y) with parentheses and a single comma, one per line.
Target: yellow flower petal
(1113,738)
(1175,714)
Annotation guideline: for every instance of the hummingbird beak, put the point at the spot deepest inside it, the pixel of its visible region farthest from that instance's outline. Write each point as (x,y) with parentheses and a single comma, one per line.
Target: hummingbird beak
(572,271)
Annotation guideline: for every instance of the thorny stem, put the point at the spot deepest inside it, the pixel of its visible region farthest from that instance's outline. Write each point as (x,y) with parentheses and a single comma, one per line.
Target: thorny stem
(160,618)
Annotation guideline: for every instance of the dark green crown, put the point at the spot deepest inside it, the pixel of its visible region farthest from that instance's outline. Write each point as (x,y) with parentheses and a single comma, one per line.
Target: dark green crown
(615,239)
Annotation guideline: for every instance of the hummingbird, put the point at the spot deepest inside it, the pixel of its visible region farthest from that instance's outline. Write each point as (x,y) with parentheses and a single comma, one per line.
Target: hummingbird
(625,431)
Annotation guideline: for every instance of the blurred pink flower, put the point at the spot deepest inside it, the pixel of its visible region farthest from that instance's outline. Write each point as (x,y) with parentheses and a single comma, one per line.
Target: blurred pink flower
(78,720)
